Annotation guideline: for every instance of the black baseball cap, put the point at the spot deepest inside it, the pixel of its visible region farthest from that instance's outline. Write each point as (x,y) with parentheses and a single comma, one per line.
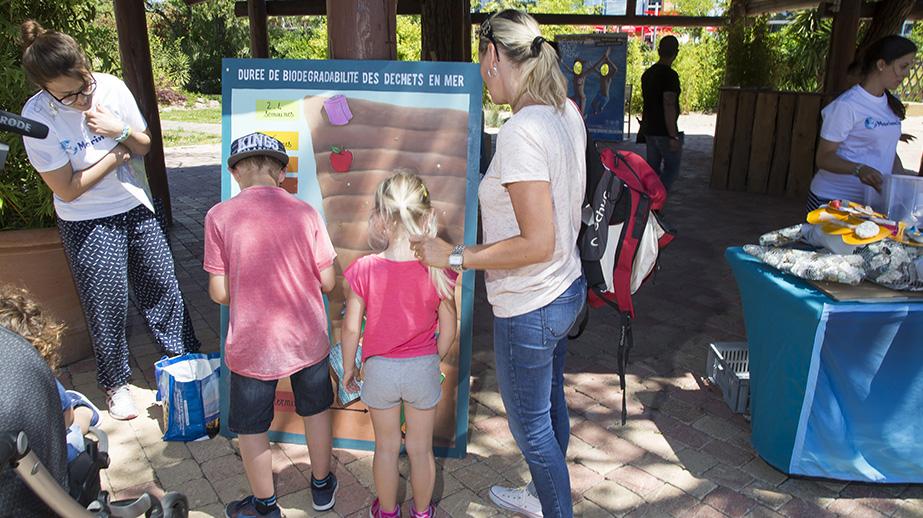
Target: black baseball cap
(257,144)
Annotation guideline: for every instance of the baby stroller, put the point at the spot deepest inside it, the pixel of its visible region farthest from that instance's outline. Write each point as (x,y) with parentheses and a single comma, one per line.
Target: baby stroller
(35,478)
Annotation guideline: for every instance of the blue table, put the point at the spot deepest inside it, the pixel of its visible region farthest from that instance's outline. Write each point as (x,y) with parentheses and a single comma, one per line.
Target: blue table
(836,388)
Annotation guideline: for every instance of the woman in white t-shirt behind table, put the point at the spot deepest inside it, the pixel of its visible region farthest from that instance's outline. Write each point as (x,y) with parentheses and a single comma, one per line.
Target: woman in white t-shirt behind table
(858,139)
(91,160)
(530,202)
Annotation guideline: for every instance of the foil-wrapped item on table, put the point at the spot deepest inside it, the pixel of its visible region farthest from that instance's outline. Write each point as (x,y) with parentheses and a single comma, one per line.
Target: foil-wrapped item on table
(893,265)
(846,269)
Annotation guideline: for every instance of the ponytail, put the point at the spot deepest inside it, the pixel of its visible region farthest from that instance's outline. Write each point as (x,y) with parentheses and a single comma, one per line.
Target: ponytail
(402,202)
(896,105)
(517,35)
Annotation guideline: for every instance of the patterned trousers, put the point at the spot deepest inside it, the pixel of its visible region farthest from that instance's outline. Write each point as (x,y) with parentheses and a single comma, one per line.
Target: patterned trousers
(107,255)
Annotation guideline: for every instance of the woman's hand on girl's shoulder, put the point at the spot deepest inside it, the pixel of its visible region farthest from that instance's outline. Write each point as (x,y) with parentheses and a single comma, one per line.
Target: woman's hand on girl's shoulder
(432,251)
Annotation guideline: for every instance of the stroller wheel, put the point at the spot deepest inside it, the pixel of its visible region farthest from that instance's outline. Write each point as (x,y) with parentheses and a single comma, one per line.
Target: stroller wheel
(175,505)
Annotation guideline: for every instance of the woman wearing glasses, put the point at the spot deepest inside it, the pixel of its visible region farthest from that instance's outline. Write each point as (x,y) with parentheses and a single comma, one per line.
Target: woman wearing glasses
(530,201)
(91,160)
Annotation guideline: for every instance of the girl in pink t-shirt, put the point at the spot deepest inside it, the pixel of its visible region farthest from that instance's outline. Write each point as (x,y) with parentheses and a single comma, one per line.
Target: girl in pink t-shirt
(410,318)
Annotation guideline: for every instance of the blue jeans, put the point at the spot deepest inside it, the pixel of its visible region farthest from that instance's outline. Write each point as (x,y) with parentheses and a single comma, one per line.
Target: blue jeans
(663,160)
(530,351)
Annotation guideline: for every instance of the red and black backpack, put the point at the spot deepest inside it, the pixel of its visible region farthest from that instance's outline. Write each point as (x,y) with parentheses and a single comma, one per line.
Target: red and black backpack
(620,238)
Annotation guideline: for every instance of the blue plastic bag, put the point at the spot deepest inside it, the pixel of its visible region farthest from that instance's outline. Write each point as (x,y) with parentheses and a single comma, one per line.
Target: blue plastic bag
(187,385)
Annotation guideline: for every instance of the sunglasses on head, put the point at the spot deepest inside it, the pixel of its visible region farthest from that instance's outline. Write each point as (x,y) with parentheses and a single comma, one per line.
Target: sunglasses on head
(87,90)
(487,32)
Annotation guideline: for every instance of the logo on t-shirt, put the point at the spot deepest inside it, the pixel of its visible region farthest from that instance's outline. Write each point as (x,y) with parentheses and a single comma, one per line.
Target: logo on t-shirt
(77,147)
(871,123)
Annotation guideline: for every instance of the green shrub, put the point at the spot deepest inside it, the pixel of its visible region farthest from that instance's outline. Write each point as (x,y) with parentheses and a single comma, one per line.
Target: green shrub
(168,62)
(700,66)
(206,32)
(25,200)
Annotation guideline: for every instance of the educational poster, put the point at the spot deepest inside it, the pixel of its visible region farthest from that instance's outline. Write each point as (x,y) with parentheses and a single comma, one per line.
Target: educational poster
(594,66)
(347,125)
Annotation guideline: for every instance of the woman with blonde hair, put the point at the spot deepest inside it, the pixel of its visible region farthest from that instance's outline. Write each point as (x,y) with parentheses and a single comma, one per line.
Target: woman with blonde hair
(530,200)
(91,160)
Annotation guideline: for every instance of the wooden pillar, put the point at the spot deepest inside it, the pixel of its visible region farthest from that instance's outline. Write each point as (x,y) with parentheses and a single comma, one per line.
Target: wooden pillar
(631,7)
(842,45)
(259,29)
(362,29)
(446,26)
(888,17)
(135,51)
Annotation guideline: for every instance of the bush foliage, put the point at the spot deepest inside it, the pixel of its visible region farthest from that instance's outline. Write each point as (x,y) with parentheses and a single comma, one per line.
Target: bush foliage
(25,200)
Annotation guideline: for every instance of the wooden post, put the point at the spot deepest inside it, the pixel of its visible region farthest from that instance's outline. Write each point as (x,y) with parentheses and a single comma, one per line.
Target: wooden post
(446,27)
(362,29)
(842,45)
(259,30)
(137,72)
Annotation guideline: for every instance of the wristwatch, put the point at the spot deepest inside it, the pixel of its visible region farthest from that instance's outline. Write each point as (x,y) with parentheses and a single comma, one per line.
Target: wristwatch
(457,258)
(858,169)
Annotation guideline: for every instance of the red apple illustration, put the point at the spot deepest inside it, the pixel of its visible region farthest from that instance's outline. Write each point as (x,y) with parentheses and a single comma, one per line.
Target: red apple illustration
(340,159)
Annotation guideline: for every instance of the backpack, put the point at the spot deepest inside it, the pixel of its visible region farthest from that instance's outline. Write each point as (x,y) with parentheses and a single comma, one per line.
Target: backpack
(620,238)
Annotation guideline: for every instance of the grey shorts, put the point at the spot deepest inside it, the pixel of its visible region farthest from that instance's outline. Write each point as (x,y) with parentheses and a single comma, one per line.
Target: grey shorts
(388,381)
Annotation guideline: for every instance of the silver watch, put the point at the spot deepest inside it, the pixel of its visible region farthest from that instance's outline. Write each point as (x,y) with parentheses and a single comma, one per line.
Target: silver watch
(457,258)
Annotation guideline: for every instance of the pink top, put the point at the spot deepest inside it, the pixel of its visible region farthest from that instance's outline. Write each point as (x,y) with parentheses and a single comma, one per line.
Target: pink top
(272,247)
(401,306)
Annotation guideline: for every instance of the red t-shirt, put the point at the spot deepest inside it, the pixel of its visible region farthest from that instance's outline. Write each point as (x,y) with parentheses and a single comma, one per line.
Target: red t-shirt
(401,306)
(272,247)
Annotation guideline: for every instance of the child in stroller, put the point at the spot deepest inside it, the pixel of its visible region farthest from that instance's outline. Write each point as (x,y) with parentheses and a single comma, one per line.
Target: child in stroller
(56,473)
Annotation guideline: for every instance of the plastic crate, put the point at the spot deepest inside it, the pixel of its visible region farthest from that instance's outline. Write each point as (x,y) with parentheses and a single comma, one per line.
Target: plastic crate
(729,368)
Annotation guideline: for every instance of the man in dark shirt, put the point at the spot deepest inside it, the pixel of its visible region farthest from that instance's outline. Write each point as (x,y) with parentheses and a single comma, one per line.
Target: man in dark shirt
(660,90)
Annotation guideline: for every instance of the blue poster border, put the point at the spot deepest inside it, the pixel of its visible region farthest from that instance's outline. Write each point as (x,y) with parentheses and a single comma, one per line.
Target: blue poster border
(470,72)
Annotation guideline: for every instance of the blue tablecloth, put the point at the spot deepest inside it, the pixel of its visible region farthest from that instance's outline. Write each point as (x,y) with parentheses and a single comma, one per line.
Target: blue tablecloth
(836,388)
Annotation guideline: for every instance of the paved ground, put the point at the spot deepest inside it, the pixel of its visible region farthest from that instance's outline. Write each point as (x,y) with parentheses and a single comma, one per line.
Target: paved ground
(683,453)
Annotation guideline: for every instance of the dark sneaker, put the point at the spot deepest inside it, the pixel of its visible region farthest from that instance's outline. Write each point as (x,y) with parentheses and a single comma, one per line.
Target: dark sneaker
(246,508)
(324,497)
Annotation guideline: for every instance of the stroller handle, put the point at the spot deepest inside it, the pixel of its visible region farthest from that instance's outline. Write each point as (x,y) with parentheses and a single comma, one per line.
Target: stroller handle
(15,452)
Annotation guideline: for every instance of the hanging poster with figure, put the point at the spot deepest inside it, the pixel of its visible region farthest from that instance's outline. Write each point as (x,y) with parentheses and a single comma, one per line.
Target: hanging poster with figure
(594,67)
(347,126)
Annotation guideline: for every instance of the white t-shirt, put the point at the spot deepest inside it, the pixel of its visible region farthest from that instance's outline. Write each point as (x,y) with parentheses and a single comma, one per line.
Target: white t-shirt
(69,140)
(868,131)
(539,143)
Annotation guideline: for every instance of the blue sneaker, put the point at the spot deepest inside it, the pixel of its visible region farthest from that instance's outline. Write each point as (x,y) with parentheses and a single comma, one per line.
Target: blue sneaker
(324,496)
(246,508)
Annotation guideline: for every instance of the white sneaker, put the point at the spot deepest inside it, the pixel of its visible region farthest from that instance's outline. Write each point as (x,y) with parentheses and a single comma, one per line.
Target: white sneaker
(518,500)
(121,406)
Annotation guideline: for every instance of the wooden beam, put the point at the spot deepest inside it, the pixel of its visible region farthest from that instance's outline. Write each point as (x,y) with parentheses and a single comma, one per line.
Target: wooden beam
(362,29)
(842,45)
(446,29)
(605,19)
(313,7)
(317,8)
(137,72)
(756,7)
(259,28)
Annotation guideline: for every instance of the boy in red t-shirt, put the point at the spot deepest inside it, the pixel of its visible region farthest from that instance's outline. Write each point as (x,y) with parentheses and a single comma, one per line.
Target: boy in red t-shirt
(269,258)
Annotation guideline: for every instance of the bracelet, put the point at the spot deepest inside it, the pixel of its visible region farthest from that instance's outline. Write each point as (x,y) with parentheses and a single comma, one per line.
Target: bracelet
(126,132)
(858,169)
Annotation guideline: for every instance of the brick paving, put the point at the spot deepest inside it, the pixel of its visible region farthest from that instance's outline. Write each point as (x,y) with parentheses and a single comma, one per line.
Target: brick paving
(683,453)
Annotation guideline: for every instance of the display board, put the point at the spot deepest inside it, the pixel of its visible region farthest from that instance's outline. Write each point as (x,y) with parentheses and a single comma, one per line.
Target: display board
(594,66)
(347,125)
